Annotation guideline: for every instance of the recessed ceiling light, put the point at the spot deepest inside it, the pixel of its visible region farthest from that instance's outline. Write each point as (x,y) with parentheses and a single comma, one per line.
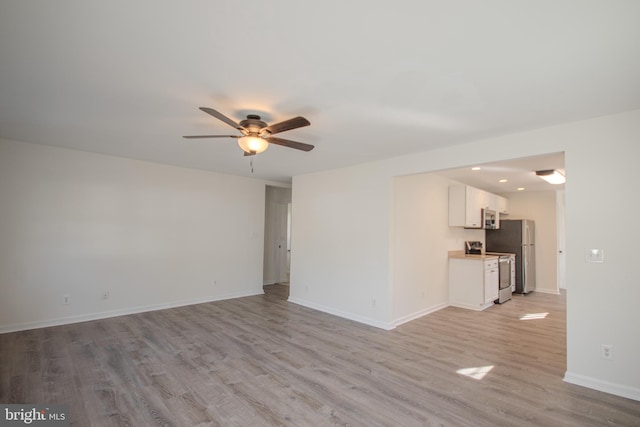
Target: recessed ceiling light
(476,168)
(520,188)
(503,180)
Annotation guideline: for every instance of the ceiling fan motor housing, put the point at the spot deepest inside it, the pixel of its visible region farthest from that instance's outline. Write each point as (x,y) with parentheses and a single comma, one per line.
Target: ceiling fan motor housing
(253,124)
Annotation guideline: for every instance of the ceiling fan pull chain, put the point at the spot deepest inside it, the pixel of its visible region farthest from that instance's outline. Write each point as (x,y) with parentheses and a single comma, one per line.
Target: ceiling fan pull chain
(251,163)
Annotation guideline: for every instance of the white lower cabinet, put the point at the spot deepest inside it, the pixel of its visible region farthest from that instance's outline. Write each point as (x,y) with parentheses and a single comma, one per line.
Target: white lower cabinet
(473,282)
(491,281)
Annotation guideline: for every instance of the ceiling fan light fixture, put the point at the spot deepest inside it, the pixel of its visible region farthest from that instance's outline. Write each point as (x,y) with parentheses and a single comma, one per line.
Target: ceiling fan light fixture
(256,134)
(552,176)
(253,144)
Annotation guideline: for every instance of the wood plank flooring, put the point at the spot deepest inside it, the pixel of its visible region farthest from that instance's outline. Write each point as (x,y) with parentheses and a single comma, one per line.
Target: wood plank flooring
(260,361)
(277,290)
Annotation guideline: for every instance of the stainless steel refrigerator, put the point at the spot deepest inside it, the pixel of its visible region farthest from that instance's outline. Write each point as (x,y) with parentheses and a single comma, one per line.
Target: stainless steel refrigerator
(516,236)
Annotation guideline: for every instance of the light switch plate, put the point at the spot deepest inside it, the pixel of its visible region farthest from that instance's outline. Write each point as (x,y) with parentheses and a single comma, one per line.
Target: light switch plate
(594,255)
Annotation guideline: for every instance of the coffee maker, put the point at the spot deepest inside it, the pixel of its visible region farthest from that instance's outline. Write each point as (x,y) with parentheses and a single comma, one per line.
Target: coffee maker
(472,247)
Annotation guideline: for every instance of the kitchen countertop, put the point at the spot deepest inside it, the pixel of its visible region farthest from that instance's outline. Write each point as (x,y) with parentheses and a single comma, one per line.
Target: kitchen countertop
(481,257)
(500,253)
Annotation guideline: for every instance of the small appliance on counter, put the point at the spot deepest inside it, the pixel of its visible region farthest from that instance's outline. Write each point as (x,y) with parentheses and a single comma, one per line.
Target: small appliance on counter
(473,247)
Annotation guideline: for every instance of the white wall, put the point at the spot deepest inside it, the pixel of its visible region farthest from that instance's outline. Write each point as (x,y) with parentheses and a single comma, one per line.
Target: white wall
(151,235)
(601,212)
(342,247)
(340,229)
(422,239)
(540,206)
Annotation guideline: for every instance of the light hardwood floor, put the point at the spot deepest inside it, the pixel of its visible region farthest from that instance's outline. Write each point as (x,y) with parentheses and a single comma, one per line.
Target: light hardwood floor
(262,361)
(277,290)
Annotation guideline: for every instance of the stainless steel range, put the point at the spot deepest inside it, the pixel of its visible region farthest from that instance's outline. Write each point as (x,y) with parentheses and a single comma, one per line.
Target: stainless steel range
(506,265)
(507,275)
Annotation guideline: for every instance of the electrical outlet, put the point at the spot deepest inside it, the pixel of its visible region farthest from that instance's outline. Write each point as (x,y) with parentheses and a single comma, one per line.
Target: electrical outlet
(66,299)
(607,351)
(594,255)
(105,295)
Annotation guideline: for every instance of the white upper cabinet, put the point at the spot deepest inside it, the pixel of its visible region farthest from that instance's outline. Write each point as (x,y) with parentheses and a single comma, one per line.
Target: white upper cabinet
(473,210)
(503,205)
(466,204)
(491,201)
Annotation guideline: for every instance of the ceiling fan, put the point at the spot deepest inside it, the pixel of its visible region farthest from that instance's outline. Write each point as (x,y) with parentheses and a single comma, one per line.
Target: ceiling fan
(256,134)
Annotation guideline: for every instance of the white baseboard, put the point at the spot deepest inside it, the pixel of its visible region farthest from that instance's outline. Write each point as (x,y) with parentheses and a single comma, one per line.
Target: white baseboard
(120,312)
(605,386)
(547,291)
(471,306)
(344,314)
(418,314)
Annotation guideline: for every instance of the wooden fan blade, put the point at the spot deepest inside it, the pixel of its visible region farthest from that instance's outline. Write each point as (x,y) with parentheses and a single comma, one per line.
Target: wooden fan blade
(218,115)
(210,136)
(291,144)
(296,122)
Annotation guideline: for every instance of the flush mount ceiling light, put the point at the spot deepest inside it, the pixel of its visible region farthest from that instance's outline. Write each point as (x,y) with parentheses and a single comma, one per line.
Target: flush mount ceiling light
(552,176)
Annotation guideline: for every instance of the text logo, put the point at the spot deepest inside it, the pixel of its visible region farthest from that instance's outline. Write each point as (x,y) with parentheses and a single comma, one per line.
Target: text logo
(34,415)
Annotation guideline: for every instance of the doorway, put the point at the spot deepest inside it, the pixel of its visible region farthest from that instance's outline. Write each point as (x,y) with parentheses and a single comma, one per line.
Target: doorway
(277,240)
(282,242)
(562,282)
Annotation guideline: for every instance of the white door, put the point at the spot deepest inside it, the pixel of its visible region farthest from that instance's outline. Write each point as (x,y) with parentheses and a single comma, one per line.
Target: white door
(281,241)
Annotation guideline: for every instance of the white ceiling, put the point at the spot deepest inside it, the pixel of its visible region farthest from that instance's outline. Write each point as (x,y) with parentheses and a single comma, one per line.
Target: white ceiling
(517,173)
(376,79)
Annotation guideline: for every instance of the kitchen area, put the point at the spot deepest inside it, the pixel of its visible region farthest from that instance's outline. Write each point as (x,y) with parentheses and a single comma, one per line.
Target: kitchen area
(481,276)
(429,247)
(489,272)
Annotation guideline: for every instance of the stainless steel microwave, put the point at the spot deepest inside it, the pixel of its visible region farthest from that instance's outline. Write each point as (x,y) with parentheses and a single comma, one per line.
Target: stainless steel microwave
(489,219)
